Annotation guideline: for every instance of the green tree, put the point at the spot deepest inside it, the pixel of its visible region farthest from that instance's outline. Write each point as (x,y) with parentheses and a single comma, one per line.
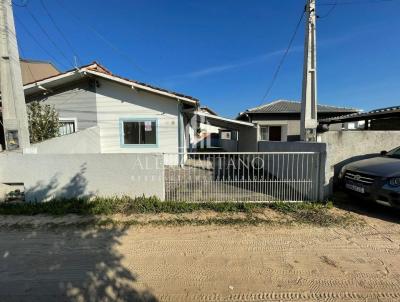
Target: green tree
(43,122)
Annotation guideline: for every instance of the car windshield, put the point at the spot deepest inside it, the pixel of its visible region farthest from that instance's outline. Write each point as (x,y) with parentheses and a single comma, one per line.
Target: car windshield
(394,153)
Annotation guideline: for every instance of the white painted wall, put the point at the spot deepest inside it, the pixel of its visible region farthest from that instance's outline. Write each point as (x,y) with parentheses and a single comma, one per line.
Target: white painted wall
(47,176)
(81,142)
(344,147)
(115,101)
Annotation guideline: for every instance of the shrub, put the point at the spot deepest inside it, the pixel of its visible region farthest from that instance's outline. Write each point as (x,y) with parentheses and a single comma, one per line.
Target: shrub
(43,122)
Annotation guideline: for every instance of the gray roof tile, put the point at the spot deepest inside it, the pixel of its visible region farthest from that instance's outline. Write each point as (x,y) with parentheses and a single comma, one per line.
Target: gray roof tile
(284,106)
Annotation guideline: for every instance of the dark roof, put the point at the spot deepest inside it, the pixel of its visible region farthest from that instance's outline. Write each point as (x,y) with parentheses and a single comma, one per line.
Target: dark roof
(284,106)
(360,116)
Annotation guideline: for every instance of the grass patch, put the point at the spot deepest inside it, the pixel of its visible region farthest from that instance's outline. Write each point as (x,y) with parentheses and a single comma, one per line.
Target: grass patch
(142,205)
(306,212)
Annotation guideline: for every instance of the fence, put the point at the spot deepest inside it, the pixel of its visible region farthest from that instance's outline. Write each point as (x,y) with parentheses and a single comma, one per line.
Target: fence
(247,177)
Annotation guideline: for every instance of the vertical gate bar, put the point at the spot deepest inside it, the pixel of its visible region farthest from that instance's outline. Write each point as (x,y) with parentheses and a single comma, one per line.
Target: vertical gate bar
(307,176)
(268,179)
(302,178)
(213,176)
(253,185)
(287,178)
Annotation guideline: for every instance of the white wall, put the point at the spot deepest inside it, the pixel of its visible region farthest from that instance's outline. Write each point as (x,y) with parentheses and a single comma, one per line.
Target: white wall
(85,141)
(77,175)
(290,127)
(115,101)
(347,146)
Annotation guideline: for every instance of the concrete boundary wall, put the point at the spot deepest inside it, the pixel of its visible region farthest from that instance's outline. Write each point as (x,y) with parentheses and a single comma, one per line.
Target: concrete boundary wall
(77,175)
(344,147)
(81,142)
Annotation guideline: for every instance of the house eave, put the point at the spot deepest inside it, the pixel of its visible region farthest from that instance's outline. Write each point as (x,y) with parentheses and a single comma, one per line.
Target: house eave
(77,74)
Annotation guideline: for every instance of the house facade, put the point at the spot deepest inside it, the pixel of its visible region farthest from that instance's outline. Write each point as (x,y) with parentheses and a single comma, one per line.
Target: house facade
(280,120)
(105,113)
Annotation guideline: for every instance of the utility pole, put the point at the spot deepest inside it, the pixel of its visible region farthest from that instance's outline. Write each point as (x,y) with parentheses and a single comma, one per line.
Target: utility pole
(15,120)
(308,123)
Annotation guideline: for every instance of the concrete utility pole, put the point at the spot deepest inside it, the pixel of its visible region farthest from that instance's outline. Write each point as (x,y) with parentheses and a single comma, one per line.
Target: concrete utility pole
(308,123)
(15,120)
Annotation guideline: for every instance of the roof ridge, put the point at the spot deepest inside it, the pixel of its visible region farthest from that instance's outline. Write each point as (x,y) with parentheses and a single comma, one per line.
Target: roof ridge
(266,104)
(297,102)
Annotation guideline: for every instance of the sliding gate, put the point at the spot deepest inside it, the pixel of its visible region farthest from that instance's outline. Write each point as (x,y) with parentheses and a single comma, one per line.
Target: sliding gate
(245,177)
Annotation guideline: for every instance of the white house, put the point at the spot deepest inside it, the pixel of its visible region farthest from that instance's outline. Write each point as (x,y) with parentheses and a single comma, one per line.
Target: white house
(105,113)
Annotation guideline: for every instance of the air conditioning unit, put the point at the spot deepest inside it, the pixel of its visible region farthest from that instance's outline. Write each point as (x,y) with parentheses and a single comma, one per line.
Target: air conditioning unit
(226,135)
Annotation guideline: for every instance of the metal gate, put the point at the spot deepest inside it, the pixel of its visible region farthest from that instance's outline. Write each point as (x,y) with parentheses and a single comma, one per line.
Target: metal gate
(242,177)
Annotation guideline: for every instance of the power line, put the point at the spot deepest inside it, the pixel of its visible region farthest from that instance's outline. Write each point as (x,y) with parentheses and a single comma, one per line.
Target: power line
(110,44)
(354,2)
(49,37)
(275,76)
(27,64)
(24,3)
(37,43)
(329,11)
(59,30)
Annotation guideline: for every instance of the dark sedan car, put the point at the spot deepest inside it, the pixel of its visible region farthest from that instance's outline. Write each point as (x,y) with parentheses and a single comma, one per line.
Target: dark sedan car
(377,178)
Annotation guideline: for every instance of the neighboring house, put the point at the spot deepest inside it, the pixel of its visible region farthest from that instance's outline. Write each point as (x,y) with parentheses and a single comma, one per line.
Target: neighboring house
(34,70)
(111,114)
(383,119)
(280,120)
(207,136)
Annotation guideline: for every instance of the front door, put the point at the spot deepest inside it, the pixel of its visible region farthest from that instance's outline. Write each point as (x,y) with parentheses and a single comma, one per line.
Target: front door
(275,133)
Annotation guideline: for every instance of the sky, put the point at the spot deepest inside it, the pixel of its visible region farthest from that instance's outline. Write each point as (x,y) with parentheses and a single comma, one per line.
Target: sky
(224,52)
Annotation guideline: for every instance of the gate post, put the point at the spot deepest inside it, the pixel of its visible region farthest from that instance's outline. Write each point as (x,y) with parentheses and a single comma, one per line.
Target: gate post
(321,175)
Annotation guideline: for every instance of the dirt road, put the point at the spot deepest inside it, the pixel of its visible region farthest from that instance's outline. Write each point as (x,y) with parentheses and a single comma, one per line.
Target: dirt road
(207,263)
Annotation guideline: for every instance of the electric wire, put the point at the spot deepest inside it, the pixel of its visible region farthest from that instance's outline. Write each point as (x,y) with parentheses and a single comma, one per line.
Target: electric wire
(282,60)
(48,36)
(101,37)
(24,3)
(28,65)
(329,11)
(354,2)
(25,28)
(46,10)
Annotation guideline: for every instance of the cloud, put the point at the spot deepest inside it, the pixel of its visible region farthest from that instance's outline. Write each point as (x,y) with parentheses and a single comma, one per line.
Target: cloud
(254,60)
(224,67)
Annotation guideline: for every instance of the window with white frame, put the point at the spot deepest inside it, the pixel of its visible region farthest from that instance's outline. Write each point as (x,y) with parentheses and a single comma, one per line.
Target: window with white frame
(263,133)
(67,126)
(139,132)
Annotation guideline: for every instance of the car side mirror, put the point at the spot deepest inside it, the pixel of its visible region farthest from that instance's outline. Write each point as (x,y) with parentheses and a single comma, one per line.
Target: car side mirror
(383,153)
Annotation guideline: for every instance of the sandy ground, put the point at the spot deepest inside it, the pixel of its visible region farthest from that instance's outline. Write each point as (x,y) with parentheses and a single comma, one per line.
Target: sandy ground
(202,263)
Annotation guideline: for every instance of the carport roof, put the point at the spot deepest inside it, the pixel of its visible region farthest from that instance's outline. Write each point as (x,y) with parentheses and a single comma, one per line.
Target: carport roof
(223,121)
(373,114)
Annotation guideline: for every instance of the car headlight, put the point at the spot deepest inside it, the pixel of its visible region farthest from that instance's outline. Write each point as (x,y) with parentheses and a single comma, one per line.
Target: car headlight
(342,172)
(394,182)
